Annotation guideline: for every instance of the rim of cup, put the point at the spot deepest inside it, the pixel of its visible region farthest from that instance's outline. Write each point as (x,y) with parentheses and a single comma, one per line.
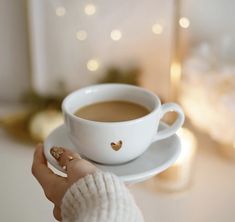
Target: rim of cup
(157,104)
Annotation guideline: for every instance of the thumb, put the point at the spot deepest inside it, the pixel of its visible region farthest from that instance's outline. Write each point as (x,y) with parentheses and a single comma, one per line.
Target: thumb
(72,162)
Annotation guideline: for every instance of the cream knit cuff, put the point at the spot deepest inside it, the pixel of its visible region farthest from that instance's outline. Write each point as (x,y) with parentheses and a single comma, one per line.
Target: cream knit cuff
(99,197)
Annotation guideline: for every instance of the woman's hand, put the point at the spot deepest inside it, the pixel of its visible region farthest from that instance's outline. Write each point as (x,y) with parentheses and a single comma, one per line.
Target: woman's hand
(55,186)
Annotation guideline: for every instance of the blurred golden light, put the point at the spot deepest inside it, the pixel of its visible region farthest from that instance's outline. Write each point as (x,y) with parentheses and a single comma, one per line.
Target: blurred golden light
(178,176)
(188,146)
(90,9)
(157,29)
(81,35)
(175,74)
(60,11)
(116,35)
(184,22)
(93,65)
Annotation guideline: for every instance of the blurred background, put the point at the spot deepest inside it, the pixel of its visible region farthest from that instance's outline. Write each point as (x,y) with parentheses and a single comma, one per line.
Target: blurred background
(184,51)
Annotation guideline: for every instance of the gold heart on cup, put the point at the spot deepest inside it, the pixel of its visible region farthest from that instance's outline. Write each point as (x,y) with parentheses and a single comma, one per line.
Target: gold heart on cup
(116,146)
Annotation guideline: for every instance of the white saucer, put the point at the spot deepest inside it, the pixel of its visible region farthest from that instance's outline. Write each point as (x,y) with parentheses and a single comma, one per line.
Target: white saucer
(158,157)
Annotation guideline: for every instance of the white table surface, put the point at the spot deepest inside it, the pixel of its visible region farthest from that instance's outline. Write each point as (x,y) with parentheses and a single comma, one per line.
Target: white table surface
(210,198)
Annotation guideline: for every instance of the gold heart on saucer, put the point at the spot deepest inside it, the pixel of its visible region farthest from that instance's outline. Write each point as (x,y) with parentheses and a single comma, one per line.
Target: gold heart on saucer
(116,146)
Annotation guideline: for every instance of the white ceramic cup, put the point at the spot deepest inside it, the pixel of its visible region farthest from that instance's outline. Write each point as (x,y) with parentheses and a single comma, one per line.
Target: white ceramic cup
(116,142)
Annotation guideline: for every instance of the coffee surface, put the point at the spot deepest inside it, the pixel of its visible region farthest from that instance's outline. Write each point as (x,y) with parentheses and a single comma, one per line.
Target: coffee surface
(112,111)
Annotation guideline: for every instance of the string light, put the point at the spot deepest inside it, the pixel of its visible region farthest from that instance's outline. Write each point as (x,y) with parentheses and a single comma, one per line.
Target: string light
(184,22)
(157,29)
(90,9)
(60,11)
(116,35)
(93,65)
(81,35)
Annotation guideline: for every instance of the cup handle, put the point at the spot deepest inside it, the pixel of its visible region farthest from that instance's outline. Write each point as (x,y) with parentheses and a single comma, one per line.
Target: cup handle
(170,107)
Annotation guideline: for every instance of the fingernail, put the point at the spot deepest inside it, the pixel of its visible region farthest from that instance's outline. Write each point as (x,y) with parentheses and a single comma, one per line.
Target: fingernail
(75,157)
(56,152)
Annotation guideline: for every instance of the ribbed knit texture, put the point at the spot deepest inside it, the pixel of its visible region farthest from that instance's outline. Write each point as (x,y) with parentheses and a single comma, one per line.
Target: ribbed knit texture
(99,197)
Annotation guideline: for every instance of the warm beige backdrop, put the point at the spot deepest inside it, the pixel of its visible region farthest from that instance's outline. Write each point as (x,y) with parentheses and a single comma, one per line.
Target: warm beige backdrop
(14,52)
(211,18)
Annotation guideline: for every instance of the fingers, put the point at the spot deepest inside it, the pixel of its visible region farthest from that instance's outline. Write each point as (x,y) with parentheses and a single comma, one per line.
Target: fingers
(64,156)
(76,166)
(39,167)
(44,175)
(78,169)
(57,213)
(53,185)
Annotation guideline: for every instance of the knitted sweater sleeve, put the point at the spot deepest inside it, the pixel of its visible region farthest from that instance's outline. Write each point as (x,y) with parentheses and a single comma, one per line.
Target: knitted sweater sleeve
(99,197)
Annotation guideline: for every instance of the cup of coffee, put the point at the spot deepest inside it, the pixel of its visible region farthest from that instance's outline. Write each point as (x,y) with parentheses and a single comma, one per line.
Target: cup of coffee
(116,123)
